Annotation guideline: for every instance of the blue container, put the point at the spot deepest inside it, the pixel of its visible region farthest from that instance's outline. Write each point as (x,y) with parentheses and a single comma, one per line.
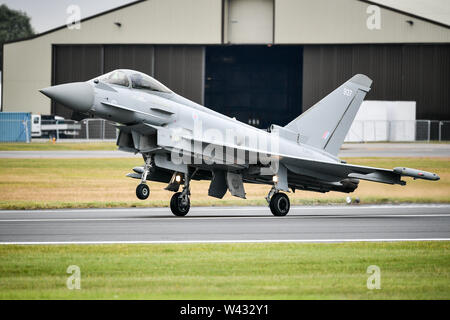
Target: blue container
(15,127)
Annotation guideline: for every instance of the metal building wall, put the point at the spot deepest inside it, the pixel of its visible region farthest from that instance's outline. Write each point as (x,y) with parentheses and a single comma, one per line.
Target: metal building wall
(248,21)
(135,57)
(426,79)
(73,63)
(418,73)
(181,68)
(345,21)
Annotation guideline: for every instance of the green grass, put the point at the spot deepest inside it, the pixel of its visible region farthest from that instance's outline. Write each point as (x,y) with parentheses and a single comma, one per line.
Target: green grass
(101,183)
(409,270)
(59,146)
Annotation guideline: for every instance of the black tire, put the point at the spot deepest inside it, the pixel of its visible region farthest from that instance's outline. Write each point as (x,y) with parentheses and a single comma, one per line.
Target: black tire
(142,191)
(280,204)
(177,208)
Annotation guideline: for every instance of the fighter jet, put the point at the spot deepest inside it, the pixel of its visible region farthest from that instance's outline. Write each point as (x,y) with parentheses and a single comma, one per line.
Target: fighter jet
(181,140)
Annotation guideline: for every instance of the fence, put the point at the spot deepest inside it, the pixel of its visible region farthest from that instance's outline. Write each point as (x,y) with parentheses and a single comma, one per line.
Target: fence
(98,129)
(360,131)
(88,129)
(399,130)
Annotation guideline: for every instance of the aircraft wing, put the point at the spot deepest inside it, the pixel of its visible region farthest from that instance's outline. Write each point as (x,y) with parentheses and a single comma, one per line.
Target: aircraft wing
(326,171)
(334,171)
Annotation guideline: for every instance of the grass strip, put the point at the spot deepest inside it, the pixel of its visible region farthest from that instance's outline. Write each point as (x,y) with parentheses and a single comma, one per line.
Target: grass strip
(409,270)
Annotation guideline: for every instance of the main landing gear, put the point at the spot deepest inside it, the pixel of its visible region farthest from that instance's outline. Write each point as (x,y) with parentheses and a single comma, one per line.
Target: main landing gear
(180,202)
(279,203)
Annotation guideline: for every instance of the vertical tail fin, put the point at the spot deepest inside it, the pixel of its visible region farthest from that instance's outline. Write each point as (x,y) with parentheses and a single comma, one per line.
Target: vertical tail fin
(326,124)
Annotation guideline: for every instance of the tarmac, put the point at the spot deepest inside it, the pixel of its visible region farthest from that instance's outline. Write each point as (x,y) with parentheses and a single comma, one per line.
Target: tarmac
(227,224)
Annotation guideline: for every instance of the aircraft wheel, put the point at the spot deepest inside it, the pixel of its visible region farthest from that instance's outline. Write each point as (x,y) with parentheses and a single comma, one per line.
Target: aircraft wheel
(177,206)
(142,191)
(280,204)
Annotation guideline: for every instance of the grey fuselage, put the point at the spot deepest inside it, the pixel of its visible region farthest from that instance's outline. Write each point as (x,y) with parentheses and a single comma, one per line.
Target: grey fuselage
(182,114)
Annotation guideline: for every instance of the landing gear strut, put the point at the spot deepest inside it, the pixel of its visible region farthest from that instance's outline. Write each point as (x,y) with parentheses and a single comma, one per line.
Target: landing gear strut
(279,203)
(180,202)
(142,190)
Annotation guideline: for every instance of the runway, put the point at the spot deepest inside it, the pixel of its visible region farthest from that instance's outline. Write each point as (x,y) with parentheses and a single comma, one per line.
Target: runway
(66,154)
(386,150)
(227,224)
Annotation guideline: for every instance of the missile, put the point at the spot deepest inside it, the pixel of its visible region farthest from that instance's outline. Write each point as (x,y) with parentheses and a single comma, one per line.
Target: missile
(416,174)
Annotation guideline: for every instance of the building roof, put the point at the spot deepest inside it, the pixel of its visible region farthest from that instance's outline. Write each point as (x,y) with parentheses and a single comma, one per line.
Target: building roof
(438,13)
(82,20)
(433,10)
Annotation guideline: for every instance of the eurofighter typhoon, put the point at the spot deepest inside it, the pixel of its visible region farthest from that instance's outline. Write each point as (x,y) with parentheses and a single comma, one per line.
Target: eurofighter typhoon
(181,140)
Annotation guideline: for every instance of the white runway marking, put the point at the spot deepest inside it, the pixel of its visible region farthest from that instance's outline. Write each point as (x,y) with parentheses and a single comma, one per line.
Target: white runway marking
(220,241)
(229,218)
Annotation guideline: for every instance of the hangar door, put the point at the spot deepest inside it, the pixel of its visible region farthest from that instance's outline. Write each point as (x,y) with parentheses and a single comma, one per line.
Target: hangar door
(73,64)
(181,68)
(405,72)
(258,85)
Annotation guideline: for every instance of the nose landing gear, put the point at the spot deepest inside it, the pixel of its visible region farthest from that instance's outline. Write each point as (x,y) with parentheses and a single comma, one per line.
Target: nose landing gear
(142,190)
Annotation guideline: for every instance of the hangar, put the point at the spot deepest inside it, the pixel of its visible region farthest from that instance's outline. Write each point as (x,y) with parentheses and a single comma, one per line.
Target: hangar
(262,61)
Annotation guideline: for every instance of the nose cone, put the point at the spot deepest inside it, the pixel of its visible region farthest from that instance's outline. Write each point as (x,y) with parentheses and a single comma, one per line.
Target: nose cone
(79,96)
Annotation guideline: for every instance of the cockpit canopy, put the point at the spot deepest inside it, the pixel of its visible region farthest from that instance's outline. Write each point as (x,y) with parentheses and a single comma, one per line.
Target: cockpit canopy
(134,79)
